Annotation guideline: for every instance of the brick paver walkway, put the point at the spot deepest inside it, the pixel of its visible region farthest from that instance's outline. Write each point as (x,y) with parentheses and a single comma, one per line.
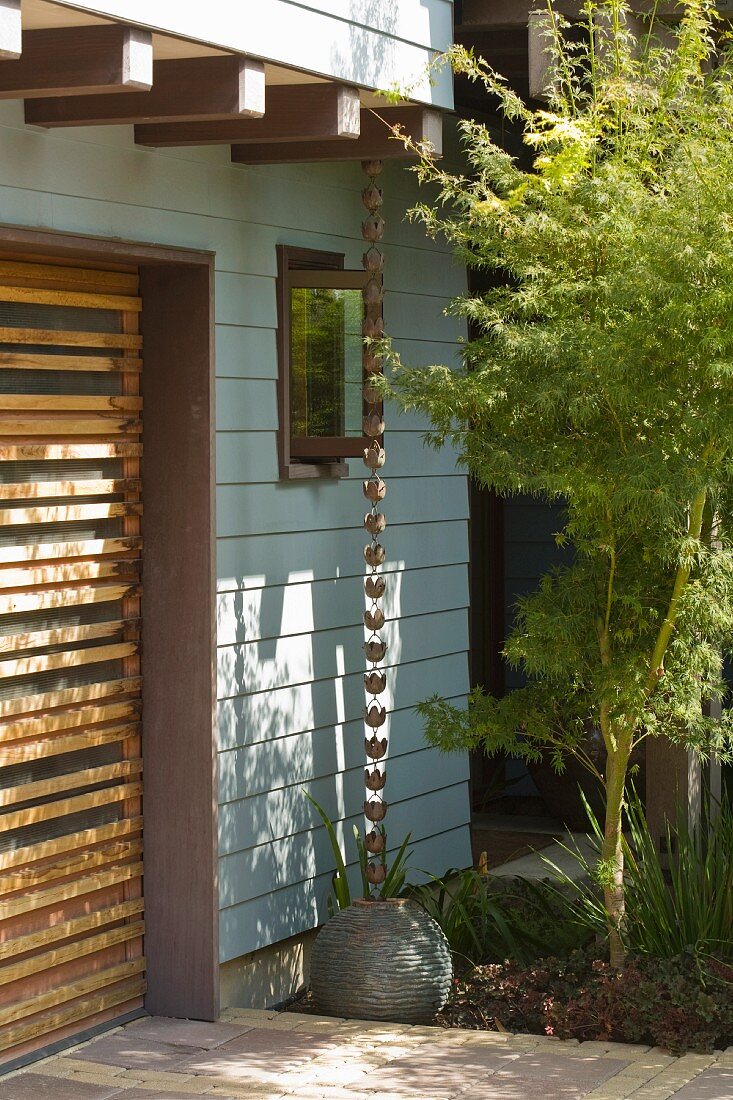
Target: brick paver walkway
(267,1056)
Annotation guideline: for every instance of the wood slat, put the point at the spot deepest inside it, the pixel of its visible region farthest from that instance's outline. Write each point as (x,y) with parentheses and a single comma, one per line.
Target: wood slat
(65,891)
(121,994)
(64,551)
(67,635)
(78,988)
(17,819)
(70,697)
(70,842)
(53,451)
(66,338)
(60,955)
(57,746)
(98,865)
(45,575)
(70,298)
(19,945)
(73,658)
(80,862)
(13,360)
(70,513)
(54,402)
(69,781)
(16,604)
(75,278)
(103,424)
(75,718)
(86,487)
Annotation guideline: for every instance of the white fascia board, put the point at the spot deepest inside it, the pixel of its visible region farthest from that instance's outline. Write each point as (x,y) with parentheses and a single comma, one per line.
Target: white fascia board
(339,39)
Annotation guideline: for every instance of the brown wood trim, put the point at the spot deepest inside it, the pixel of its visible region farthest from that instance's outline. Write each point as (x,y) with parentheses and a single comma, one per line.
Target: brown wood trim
(375,141)
(17,242)
(59,61)
(188,88)
(298,113)
(313,471)
(179,654)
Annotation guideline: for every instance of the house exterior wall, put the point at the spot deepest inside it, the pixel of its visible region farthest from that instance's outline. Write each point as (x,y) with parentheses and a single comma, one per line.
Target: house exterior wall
(365,42)
(289,555)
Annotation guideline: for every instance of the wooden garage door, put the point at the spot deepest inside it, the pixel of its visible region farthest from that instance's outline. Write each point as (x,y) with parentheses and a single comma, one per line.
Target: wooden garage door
(71,909)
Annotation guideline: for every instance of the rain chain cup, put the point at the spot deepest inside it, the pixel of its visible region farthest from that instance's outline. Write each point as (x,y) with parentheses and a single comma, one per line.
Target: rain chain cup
(347,975)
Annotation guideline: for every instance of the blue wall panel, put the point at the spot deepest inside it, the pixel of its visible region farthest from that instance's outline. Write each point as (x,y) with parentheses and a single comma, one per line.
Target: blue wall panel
(289,556)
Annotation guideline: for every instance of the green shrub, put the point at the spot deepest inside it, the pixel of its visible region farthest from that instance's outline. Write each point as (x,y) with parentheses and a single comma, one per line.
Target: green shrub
(340,896)
(679,1003)
(482,923)
(685,906)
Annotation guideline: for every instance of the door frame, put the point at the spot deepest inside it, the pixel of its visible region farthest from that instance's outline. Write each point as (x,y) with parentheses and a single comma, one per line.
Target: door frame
(180,792)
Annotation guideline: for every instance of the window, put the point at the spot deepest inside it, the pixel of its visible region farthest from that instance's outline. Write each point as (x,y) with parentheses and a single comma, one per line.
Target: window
(321,408)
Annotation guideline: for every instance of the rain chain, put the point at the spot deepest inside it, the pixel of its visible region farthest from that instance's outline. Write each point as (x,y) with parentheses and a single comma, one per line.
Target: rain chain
(375,648)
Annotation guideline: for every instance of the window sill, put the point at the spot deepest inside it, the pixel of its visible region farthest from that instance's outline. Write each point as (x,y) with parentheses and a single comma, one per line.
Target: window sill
(312,471)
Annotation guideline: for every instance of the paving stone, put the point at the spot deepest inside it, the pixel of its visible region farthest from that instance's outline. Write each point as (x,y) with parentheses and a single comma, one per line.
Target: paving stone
(188,1033)
(94,1078)
(134,1051)
(290,1021)
(144,1093)
(432,1072)
(711,1084)
(258,1016)
(503,1089)
(35,1086)
(446,1072)
(239,1090)
(558,1067)
(489,1038)
(85,1065)
(154,1077)
(260,1055)
(190,1087)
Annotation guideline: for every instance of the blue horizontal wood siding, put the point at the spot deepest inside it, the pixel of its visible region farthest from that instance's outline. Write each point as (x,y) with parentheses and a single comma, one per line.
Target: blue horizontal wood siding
(289,556)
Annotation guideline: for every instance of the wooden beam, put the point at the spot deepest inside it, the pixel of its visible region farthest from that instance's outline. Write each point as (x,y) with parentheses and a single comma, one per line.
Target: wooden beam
(79,61)
(10,33)
(187,88)
(297,113)
(374,143)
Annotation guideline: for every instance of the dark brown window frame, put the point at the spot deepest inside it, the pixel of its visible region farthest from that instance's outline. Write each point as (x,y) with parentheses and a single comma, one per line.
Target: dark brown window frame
(309,458)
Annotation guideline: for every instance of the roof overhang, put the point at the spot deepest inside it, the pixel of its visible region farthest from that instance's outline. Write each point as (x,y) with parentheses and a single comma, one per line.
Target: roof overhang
(233,73)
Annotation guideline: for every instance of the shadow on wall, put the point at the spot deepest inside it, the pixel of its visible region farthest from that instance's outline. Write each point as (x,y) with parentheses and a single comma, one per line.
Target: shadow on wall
(291,691)
(368,63)
(434,26)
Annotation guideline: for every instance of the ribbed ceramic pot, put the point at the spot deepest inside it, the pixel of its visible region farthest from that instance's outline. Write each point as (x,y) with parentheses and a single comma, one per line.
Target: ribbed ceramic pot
(381,960)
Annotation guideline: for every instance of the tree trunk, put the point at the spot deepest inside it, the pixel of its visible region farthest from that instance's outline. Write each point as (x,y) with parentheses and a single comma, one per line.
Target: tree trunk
(612,853)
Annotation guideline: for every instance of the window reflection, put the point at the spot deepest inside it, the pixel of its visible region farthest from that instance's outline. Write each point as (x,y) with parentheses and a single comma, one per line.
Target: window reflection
(325,362)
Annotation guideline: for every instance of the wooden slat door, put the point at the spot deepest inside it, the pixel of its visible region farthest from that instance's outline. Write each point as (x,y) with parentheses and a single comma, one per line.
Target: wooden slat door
(71,908)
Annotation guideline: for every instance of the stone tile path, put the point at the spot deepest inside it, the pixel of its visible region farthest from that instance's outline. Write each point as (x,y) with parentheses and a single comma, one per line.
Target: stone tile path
(250,1055)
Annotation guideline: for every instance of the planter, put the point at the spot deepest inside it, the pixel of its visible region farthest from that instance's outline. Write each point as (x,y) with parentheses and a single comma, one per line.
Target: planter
(381,960)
